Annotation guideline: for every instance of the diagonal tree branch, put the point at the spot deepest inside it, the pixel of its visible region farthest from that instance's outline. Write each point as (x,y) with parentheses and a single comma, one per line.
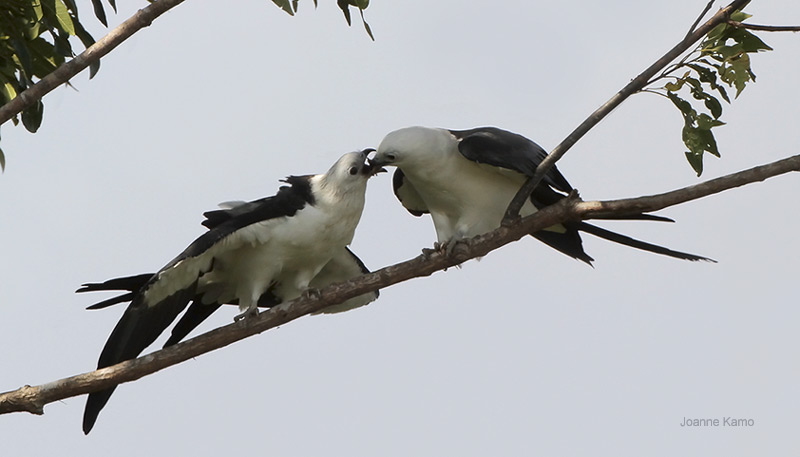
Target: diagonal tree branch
(33,398)
(700,17)
(143,18)
(631,88)
(765,28)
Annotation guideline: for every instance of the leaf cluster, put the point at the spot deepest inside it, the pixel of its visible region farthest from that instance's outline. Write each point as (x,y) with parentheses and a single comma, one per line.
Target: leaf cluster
(290,6)
(721,59)
(35,40)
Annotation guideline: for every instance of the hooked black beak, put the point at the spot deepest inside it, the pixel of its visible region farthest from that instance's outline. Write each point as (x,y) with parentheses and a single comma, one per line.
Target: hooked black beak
(372,167)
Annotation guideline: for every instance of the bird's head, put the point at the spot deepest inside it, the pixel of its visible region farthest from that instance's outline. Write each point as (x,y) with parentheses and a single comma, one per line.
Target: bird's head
(355,165)
(351,171)
(412,146)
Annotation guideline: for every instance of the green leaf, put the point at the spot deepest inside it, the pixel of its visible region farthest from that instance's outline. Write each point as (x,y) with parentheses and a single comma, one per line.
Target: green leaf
(32,116)
(706,122)
(723,93)
(62,46)
(740,16)
(748,42)
(87,41)
(696,85)
(698,141)
(344,5)
(285,5)
(71,6)
(716,32)
(36,23)
(740,72)
(21,49)
(366,26)
(62,15)
(674,86)
(689,114)
(705,74)
(45,59)
(709,76)
(696,161)
(99,12)
(8,91)
(713,105)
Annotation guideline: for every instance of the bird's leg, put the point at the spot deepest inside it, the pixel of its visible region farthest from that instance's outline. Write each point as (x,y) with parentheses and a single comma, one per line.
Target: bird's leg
(439,248)
(444,248)
(249,312)
(311,293)
(249,309)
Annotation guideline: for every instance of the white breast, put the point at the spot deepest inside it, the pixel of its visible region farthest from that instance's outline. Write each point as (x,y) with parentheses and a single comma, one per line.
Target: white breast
(466,199)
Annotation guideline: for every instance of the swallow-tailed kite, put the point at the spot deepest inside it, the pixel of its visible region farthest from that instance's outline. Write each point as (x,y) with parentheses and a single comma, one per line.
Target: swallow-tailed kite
(466,179)
(258,253)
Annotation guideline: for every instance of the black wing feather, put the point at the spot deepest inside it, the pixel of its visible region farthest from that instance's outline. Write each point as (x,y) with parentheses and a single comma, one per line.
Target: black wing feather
(194,316)
(407,194)
(142,322)
(638,244)
(139,326)
(501,148)
(286,202)
(130,283)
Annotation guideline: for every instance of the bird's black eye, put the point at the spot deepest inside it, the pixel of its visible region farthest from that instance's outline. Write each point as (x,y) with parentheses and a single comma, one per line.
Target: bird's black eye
(353,170)
(391,156)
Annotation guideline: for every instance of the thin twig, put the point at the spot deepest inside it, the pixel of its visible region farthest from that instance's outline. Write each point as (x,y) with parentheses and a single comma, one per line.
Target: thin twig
(143,18)
(699,18)
(33,399)
(765,28)
(631,88)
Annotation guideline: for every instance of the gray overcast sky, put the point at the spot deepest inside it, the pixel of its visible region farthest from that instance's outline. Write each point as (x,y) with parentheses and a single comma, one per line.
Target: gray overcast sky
(526,352)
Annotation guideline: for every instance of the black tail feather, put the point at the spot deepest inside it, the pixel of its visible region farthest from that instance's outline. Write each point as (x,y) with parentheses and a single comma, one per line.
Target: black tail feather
(568,243)
(130,283)
(194,316)
(139,326)
(636,217)
(113,301)
(634,243)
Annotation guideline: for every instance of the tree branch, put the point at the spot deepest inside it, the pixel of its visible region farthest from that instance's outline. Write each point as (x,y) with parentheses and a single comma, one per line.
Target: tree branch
(33,399)
(143,18)
(765,28)
(631,88)
(699,18)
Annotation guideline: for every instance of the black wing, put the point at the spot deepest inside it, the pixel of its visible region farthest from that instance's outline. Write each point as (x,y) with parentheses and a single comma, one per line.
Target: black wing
(139,326)
(342,267)
(501,148)
(149,315)
(407,194)
(287,201)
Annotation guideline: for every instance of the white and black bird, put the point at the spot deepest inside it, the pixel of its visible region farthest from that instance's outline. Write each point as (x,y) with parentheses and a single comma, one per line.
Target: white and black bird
(258,253)
(465,179)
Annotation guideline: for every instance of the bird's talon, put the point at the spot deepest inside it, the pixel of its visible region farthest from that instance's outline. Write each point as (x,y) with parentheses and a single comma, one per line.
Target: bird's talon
(249,312)
(312,293)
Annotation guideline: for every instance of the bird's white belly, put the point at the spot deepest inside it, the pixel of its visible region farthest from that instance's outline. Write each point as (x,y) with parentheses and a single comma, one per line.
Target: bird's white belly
(470,199)
(285,253)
